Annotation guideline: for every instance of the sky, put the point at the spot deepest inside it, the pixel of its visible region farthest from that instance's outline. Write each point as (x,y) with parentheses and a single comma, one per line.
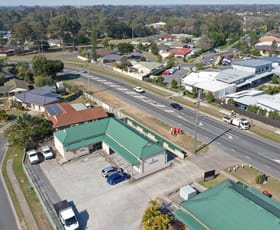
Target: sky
(129,2)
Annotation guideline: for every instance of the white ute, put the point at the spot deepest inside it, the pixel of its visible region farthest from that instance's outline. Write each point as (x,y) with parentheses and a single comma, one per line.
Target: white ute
(66,215)
(47,152)
(33,156)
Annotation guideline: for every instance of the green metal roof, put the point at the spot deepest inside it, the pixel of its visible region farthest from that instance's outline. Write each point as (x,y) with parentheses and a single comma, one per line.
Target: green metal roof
(131,145)
(233,206)
(188,220)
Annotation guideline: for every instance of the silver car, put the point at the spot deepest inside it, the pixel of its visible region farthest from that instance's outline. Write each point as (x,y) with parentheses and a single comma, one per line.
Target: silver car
(108,171)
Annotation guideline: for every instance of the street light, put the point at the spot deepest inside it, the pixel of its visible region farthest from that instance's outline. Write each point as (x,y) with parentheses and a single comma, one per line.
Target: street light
(196,121)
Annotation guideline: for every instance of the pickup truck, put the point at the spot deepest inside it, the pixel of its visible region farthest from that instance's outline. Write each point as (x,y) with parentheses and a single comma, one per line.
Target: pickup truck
(66,215)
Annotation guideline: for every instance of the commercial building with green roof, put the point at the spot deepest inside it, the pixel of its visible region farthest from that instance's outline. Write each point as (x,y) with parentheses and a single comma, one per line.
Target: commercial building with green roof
(230,206)
(113,136)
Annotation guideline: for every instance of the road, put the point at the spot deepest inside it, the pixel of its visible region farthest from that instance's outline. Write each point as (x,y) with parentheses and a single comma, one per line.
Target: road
(254,150)
(7,219)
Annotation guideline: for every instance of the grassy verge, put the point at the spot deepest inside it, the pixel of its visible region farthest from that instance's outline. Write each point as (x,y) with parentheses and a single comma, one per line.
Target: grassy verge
(248,175)
(27,189)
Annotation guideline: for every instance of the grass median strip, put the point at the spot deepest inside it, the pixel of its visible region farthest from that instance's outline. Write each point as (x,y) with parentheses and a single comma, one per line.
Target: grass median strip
(27,189)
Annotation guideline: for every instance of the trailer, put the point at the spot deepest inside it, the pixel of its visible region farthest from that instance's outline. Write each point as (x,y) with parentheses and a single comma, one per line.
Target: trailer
(242,123)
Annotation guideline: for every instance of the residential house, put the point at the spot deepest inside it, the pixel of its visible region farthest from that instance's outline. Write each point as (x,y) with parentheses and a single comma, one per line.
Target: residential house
(265,48)
(13,86)
(112,58)
(36,99)
(63,115)
(180,52)
(270,37)
(114,137)
(230,206)
(6,51)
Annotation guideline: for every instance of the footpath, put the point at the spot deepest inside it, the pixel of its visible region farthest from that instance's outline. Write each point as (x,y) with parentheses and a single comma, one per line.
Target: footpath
(29,219)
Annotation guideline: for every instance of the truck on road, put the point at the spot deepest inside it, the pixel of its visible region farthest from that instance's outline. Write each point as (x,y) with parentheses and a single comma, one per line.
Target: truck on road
(66,215)
(242,123)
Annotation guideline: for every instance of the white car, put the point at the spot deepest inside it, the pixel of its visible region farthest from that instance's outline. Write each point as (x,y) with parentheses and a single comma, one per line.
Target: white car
(33,156)
(138,89)
(47,152)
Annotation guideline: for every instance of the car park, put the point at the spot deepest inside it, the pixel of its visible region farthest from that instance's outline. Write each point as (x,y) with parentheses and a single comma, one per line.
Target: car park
(108,171)
(176,106)
(138,89)
(33,156)
(47,152)
(117,178)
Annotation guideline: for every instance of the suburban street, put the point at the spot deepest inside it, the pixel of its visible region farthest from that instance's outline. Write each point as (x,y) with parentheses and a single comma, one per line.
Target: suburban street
(7,219)
(254,150)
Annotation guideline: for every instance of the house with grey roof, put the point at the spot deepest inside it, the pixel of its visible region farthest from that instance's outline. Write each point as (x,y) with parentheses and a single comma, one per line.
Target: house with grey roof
(36,99)
(112,58)
(12,87)
(143,155)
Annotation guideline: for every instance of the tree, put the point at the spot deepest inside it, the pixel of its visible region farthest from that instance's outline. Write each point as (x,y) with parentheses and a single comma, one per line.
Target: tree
(273,48)
(93,43)
(154,219)
(210,97)
(154,49)
(3,115)
(38,64)
(41,80)
(275,79)
(174,84)
(22,32)
(125,48)
(23,71)
(28,130)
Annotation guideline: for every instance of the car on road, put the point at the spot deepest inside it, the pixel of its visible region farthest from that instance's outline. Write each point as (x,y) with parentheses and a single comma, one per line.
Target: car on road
(227,119)
(47,152)
(117,178)
(108,171)
(138,89)
(176,106)
(33,156)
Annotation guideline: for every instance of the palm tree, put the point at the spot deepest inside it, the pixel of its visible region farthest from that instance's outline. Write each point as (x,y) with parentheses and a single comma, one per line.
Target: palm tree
(153,219)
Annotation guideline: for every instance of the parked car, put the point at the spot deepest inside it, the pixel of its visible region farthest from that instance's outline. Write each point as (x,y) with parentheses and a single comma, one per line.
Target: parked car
(117,178)
(33,156)
(47,152)
(176,106)
(166,72)
(138,89)
(108,171)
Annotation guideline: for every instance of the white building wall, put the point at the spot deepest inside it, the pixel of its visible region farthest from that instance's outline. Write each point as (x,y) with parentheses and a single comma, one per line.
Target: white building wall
(156,161)
(59,147)
(243,68)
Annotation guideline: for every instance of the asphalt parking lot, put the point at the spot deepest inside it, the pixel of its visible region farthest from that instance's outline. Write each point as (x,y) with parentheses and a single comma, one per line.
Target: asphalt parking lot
(102,206)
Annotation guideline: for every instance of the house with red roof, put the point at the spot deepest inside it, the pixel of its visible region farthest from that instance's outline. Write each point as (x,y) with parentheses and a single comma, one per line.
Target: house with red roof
(180,52)
(63,115)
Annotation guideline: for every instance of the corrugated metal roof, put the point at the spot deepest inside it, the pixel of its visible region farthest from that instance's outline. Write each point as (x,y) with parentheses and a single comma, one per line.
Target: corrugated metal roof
(232,206)
(232,75)
(252,63)
(124,140)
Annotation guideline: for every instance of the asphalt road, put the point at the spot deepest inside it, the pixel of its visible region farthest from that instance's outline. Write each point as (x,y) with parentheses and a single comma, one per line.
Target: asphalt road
(259,152)
(7,219)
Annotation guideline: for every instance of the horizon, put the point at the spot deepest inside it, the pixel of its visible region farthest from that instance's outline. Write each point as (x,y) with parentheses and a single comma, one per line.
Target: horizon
(28,3)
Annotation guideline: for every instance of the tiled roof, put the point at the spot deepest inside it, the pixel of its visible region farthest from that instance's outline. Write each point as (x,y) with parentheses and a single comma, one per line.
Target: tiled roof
(14,84)
(70,116)
(180,51)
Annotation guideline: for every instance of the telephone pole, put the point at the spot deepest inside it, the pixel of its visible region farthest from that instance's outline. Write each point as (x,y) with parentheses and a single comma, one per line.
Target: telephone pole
(196,121)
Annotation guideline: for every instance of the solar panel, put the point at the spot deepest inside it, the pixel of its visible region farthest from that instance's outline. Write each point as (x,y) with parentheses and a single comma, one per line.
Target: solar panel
(54,109)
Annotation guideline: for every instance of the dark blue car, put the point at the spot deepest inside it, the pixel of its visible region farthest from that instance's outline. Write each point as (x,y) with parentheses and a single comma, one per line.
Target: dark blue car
(117,178)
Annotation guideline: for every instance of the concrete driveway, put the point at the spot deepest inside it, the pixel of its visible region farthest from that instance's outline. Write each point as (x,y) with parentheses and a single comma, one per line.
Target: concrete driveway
(102,206)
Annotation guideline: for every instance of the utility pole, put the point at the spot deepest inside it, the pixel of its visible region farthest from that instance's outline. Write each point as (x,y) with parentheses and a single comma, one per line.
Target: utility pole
(196,121)
(88,60)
